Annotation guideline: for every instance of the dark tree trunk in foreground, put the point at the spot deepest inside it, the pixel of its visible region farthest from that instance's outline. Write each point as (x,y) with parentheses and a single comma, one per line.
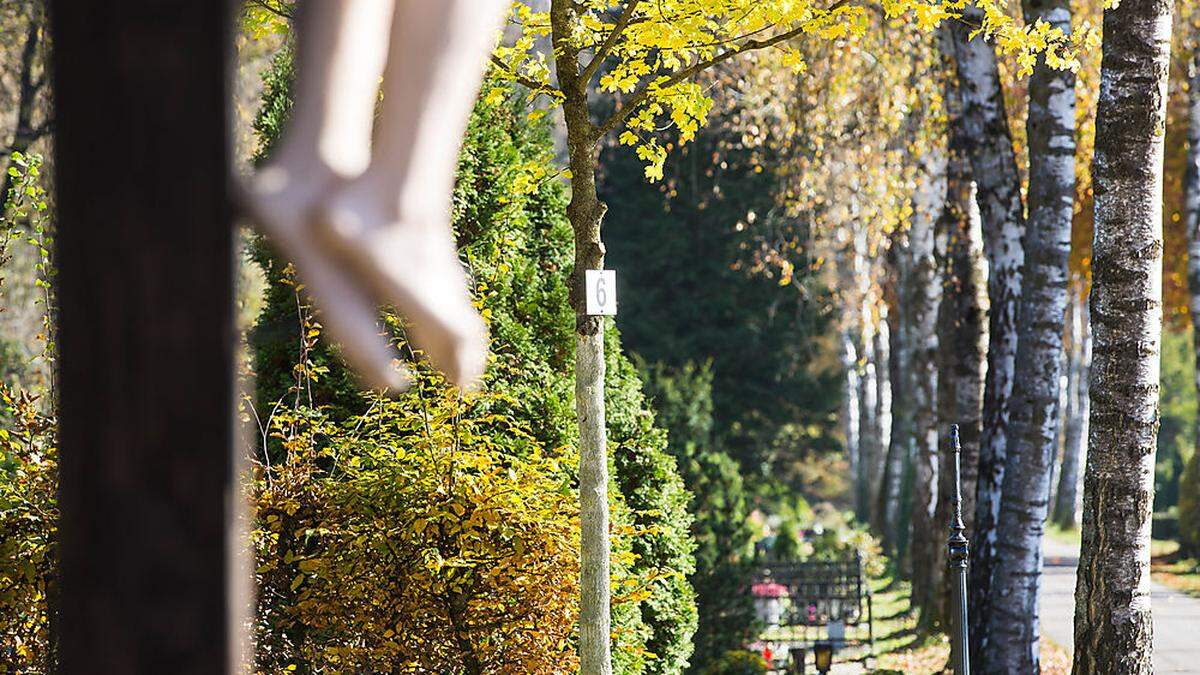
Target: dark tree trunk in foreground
(1033,410)
(998,194)
(1112,592)
(962,326)
(146,336)
(1066,499)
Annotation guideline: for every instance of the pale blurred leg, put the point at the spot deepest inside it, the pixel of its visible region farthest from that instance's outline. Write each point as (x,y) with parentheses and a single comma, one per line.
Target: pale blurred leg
(392,224)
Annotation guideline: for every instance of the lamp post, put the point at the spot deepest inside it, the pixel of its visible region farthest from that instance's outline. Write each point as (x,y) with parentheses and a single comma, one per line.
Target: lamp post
(959,552)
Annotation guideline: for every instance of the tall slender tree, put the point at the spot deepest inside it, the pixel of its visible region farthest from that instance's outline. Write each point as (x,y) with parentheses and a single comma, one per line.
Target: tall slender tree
(998,193)
(1012,623)
(901,381)
(1112,592)
(1191,211)
(1079,356)
(962,317)
(883,417)
(923,293)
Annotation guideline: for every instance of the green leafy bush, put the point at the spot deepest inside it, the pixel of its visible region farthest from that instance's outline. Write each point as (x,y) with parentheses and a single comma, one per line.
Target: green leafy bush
(738,662)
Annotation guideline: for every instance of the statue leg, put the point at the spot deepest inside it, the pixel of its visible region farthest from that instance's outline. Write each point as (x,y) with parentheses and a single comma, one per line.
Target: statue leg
(392,224)
(340,57)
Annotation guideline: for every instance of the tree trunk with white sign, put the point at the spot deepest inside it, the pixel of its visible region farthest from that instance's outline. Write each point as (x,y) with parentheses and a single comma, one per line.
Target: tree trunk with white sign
(585,212)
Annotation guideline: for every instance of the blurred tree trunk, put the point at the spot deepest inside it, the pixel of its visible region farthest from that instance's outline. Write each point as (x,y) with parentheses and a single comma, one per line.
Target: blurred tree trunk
(1033,413)
(1191,208)
(851,404)
(923,292)
(868,384)
(901,384)
(1066,500)
(1112,594)
(962,325)
(998,193)
(883,416)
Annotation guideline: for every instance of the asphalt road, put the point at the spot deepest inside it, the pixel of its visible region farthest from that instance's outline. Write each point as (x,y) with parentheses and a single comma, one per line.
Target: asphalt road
(1176,616)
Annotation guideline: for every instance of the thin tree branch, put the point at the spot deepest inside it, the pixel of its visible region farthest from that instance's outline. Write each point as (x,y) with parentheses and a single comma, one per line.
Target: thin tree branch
(642,94)
(609,42)
(517,77)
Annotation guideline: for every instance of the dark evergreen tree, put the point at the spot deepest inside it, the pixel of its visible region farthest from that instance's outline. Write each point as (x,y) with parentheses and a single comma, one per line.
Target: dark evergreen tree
(683,249)
(683,399)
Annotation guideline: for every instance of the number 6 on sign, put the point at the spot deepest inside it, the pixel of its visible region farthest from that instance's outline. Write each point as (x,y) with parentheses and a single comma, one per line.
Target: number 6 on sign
(601,292)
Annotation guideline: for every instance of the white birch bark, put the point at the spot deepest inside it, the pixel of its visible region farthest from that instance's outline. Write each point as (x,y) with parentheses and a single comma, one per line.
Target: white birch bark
(868,392)
(962,324)
(1113,626)
(883,417)
(850,405)
(1012,622)
(998,194)
(900,383)
(923,295)
(1066,500)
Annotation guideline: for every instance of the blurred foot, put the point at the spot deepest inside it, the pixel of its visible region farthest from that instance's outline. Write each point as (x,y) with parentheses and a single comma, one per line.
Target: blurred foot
(281,204)
(410,261)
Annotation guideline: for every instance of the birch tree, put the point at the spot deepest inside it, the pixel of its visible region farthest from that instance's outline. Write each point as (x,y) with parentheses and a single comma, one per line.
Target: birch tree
(1112,595)
(1191,210)
(901,382)
(883,417)
(1012,622)
(962,318)
(998,193)
(1066,499)
(923,294)
(868,398)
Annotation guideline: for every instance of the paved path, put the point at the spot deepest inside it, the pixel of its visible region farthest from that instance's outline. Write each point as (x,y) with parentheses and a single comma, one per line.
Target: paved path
(1176,616)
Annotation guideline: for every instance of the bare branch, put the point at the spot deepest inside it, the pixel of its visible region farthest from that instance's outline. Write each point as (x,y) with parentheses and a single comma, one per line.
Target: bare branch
(609,42)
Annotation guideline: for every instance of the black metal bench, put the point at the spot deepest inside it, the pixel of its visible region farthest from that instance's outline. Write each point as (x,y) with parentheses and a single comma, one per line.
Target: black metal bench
(806,596)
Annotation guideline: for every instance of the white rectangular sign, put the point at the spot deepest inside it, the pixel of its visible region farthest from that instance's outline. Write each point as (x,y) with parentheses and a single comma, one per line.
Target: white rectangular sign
(601,292)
